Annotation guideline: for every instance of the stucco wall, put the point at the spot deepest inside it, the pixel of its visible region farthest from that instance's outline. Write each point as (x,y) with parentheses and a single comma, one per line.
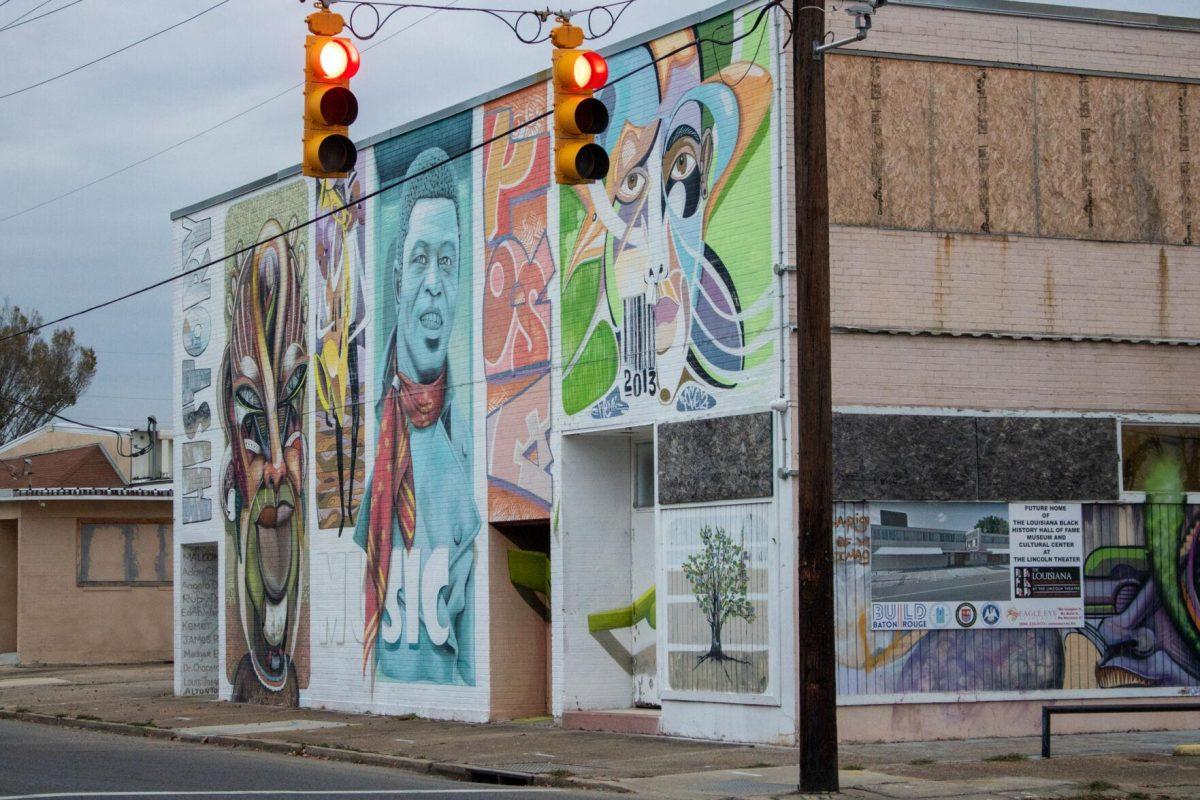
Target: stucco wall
(8,586)
(61,622)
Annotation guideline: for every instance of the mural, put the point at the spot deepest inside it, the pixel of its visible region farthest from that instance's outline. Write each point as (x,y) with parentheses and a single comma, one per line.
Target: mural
(196,332)
(516,308)
(419,520)
(718,562)
(263,388)
(667,293)
(339,363)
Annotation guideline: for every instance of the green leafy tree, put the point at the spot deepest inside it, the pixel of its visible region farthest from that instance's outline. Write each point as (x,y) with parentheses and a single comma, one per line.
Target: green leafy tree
(720,577)
(993,524)
(39,376)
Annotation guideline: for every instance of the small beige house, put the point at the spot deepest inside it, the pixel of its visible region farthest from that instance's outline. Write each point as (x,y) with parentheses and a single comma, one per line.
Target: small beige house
(85,549)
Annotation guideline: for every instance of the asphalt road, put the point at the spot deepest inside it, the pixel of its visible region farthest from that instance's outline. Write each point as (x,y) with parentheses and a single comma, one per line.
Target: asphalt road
(945,586)
(42,761)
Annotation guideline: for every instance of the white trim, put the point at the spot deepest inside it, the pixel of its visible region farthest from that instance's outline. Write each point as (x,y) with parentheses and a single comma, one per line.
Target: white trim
(931,698)
(717,503)
(682,696)
(929,411)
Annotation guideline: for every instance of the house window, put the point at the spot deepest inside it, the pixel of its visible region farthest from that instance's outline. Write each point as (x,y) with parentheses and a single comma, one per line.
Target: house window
(643,475)
(1160,456)
(118,553)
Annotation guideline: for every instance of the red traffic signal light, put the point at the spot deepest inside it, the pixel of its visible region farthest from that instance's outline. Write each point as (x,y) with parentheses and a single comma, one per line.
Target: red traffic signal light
(334,59)
(578,116)
(329,105)
(581,70)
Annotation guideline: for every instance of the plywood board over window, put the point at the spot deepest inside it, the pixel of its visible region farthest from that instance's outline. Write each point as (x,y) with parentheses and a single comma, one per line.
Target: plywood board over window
(124,553)
(922,145)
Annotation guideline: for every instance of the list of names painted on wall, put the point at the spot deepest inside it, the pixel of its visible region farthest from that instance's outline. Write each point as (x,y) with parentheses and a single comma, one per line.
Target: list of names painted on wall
(198,628)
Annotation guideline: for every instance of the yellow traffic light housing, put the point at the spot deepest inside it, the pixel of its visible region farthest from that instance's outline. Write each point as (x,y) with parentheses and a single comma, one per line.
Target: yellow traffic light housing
(578,116)
(329,106)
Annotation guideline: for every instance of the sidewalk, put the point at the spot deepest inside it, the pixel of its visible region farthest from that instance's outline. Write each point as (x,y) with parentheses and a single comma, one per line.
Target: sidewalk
(138,700)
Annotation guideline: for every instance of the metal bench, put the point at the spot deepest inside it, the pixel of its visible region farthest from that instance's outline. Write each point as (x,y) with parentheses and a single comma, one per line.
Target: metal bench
(1105,708)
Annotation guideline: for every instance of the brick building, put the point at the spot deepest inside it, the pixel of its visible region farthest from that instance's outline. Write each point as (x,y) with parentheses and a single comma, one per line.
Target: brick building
(485,447)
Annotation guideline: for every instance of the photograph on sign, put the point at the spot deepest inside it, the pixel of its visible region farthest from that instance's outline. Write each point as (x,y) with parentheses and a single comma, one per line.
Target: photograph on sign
(956,565)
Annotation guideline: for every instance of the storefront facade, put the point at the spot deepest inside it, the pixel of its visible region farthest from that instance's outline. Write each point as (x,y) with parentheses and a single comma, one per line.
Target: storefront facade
(482,447)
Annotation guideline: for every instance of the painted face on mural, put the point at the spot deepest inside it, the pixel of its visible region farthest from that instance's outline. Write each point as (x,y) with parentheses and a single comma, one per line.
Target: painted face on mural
(265,370)
(427,287)
(678,139)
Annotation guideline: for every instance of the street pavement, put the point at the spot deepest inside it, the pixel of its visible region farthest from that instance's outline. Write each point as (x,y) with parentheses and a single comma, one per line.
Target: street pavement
(41,761)
(379,756)
(977,584)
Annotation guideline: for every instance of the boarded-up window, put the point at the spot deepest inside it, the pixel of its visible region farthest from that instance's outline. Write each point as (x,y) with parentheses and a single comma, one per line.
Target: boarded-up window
(116,553)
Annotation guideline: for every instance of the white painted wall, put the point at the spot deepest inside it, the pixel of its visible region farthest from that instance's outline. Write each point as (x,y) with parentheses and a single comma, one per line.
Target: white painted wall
(595,556)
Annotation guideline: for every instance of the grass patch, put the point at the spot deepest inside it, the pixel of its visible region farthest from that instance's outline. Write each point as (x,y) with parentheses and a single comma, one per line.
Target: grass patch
(559,777)
(87,717)
(853,767)
(149,723)
(21,710)
(921,762)
(760,765)
(1005,757)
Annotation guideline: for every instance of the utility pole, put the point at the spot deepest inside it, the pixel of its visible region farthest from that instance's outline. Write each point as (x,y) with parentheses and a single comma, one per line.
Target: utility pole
(817,725)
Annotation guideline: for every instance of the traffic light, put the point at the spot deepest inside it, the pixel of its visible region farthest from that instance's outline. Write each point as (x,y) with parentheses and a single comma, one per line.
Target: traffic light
(329,105)
(578,116)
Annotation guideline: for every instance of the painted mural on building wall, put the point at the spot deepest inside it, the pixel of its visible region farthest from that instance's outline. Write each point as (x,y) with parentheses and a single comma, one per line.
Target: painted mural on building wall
(717,564)
(1142,628)
(667,297)
(419,519)
(263,388)
(196,329)
(518,270)
(339,363)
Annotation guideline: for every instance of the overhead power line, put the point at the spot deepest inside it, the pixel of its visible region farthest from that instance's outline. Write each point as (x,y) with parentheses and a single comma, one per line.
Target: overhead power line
(108,55)
(194,136)
(36,410)
(760,15)
(16,23)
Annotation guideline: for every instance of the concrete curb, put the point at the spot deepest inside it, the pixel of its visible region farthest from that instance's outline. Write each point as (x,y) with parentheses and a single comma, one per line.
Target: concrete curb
(463,772)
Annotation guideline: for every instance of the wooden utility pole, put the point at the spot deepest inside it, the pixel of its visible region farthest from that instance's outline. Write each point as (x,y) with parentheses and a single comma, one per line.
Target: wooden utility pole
(817,725)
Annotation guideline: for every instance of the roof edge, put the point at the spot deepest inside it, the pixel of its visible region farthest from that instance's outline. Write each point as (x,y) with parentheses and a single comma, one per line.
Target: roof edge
(1098,16)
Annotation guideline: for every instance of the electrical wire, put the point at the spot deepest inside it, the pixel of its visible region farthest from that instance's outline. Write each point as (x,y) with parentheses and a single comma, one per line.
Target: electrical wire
(388,187)
(22,16)
(108,55)
(37,410)
(17,24)
(194,136)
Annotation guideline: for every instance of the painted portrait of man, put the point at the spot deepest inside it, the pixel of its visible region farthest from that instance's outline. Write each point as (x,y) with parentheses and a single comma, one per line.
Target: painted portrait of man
(419,520)
(263,377)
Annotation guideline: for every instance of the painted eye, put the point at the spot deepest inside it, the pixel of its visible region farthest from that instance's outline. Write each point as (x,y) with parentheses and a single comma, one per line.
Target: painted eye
(247,398)
(445,262)
(420,259)
(294,384)
(632,186)
(684,165)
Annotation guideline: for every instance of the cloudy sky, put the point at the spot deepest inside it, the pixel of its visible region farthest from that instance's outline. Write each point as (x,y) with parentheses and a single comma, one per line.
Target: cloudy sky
(116,235)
